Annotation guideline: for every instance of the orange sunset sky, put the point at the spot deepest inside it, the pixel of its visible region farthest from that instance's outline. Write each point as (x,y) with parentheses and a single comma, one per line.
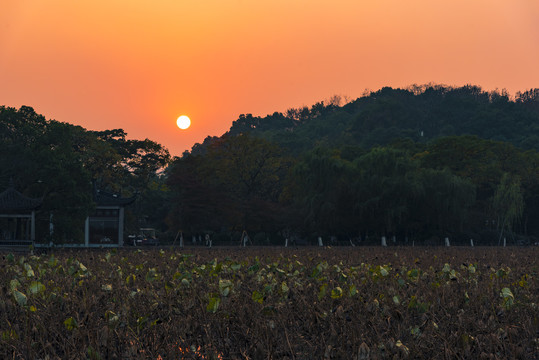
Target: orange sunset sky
(139,64)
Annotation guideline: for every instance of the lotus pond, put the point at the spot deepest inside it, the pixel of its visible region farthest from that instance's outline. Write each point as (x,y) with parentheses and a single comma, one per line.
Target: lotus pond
(271,303)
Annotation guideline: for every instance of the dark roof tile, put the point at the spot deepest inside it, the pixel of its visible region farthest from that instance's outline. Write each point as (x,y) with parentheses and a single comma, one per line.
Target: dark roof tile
(13,201)
(105,198)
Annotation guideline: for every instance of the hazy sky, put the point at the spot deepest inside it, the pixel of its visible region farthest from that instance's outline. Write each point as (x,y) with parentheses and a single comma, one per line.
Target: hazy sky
(139,64)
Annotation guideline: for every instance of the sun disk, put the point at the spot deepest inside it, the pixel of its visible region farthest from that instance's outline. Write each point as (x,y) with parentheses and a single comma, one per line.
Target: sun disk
(183,122)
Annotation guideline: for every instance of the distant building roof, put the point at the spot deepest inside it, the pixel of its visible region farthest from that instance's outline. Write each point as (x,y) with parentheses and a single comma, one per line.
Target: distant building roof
(12,201)
(106,198)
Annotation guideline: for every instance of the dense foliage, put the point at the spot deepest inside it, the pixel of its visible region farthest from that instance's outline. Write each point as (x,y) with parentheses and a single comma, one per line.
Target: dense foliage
(364,303)
(418,164)
(461,187)
(415,165)
(59,162)
(421,113)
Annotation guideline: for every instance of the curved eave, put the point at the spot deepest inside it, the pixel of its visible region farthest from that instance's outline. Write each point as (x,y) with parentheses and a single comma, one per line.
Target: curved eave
(114,201)
(12,201)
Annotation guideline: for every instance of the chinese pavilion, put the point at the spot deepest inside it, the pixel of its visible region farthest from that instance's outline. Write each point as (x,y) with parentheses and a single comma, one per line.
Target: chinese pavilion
(17,217)
(105,227)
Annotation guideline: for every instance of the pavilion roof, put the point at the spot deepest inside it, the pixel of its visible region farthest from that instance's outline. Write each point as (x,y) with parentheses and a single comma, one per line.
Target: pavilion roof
(106,198)
(12,201)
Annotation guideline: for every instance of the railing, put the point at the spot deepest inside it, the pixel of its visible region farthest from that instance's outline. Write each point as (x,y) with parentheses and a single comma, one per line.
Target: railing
(16,245)
(16,242)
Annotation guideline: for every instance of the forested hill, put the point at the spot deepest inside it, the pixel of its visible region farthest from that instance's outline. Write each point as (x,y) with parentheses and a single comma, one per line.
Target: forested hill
(420,113)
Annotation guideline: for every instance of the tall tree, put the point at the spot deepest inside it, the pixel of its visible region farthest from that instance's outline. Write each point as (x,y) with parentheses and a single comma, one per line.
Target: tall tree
(508,203)
(444,201)
(321,188)
(239,179)
(38,154)
(385,185)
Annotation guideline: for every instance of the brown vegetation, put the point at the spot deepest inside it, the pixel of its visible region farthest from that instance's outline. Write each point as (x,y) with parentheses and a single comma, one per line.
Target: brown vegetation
(271,303)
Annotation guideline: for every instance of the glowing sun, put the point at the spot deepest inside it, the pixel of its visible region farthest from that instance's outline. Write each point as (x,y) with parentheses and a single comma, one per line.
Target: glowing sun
(183,122)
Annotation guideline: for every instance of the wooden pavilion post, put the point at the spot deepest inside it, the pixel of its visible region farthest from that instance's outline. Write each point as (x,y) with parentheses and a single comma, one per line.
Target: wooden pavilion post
(33,227)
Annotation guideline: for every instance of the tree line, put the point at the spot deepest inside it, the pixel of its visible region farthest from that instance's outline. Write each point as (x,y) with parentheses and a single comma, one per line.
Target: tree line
(415,165)
(61,163)
(420,163)
(462,187)
(421,113)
